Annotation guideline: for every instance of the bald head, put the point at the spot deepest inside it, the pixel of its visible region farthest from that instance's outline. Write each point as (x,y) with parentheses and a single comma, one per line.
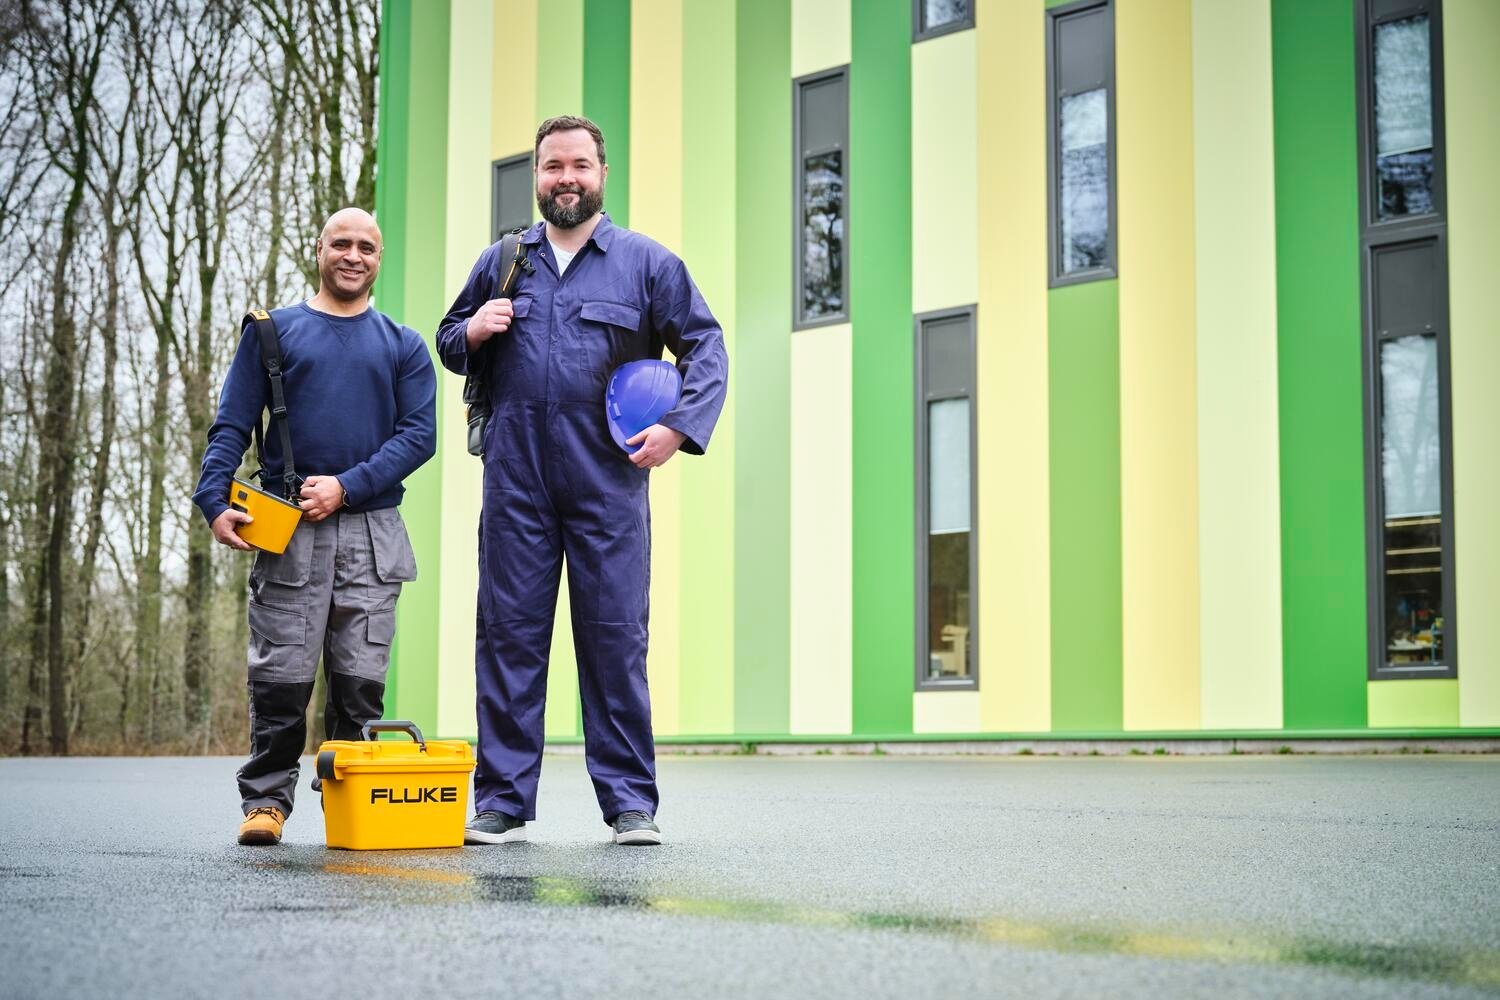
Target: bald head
(350,218)
(348,251)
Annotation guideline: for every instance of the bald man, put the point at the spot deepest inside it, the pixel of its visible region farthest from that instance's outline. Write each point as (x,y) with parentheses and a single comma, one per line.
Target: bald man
(360,393)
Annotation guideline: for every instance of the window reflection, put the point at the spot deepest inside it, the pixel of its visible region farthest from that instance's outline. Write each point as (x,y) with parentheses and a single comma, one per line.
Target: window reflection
(822,235)
(941,13)
(1085,181)
(1411,475)
(1403,117)
(949,642)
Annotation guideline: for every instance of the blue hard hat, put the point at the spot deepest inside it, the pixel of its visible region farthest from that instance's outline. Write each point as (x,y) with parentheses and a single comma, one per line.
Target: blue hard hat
(639,394)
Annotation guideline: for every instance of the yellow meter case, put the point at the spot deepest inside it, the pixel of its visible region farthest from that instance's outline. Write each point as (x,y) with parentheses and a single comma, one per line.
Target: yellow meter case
(274,518)
(380,796)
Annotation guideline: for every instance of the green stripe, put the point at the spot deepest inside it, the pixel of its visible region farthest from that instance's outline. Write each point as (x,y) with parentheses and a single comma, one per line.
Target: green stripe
(706,685)
(1319,364)
(412,693)
(879,255)
(761,365)
(1083,391)
(606,92)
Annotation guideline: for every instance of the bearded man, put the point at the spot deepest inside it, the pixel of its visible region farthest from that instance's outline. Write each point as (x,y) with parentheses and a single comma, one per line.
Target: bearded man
(360,400)
(556,485)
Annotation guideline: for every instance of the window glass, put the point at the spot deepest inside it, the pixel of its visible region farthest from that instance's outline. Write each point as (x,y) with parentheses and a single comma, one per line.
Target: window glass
(941,13)
(1403,117)
(512,196)
(1411,470)
(822,235)
(1084,121)
(948,549)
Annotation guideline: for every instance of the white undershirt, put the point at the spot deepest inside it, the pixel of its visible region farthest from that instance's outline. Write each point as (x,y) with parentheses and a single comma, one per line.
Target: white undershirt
(564,258)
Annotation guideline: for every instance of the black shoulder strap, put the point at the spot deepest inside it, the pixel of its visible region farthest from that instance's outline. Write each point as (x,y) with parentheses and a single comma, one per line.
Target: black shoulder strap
(509,264)
(270,359)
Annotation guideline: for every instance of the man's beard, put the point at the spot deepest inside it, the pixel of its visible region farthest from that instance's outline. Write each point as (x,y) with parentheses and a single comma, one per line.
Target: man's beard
(586,207)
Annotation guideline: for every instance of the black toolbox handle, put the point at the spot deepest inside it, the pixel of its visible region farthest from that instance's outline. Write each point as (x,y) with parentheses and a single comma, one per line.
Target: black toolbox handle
(369,729)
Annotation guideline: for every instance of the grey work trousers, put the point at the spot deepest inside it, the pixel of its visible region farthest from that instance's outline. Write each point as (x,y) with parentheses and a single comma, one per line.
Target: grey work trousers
(330,595)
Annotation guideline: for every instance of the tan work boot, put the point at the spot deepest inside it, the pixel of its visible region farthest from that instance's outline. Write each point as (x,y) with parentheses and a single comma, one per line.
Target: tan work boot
(262,826)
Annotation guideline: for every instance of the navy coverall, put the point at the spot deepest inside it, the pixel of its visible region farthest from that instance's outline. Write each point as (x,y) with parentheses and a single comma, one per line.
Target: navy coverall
(556,485)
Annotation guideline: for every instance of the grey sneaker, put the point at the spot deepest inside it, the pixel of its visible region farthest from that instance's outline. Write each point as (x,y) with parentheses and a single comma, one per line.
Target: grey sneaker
(635,829)
(491,827)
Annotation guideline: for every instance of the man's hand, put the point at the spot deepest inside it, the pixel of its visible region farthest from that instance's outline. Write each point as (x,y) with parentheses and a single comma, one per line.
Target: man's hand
(321,496)
(661,443)
(223,529)
(493,317)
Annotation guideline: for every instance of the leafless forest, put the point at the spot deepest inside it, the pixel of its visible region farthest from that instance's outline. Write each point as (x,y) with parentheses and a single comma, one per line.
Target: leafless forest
(164,165)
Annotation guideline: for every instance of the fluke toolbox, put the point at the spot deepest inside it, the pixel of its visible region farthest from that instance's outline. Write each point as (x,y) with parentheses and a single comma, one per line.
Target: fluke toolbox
(390,795)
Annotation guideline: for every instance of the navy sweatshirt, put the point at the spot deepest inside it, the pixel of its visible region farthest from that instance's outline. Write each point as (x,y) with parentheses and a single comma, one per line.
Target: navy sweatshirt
(360,394)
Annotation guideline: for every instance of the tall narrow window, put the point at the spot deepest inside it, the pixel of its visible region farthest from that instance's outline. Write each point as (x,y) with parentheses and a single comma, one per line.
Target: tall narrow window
(947,567)
(820,222)
(511,195)
(1081,148)
(930,18)
(1403,236)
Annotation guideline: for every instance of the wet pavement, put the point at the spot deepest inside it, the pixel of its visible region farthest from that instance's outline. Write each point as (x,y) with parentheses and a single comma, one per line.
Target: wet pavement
(818,876)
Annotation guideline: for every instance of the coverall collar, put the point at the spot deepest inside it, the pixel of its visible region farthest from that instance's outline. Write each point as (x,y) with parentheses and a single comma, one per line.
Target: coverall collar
(603,235)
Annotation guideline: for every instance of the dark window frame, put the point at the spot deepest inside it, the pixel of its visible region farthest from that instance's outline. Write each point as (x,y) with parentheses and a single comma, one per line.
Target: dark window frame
(799,154)
(922,398)
(1377,236)
(920,33)
(498,227)
(1056,277)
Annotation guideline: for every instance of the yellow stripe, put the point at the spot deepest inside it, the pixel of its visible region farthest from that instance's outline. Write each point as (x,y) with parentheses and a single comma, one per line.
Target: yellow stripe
(656,208)
(461,474)
(1471,36)
(945,712)
(1158,374)
(1413,703)
(944,173)
(820,35)
(1015,608)
(822,668)
(513,90)
(1238,452)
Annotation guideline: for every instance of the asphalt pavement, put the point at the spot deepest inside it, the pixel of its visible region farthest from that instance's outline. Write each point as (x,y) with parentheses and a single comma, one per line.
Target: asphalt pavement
(815,876)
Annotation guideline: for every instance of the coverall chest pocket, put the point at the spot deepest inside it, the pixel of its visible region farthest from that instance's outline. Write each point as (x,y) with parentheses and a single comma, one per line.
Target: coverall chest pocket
(293,568)
(611,336)
(510,353)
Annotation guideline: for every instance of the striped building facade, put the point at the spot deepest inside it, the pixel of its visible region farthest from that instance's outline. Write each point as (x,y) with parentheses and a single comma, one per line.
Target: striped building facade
(1176,524)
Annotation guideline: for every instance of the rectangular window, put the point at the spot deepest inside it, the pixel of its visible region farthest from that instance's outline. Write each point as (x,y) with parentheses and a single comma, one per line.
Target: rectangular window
(1403,241)
(946,533)
(1400,70)
(821,121)
(930,18)
(1081,142)
(511,195)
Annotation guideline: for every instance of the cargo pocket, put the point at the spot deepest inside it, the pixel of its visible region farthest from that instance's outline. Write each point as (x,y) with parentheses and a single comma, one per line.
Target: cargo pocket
(612,336)
(395,562)
(293,568)
(380,626)
(278,637)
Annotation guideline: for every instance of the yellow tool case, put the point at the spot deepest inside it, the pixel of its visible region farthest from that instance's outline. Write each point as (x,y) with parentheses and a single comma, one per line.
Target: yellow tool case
(394,795)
